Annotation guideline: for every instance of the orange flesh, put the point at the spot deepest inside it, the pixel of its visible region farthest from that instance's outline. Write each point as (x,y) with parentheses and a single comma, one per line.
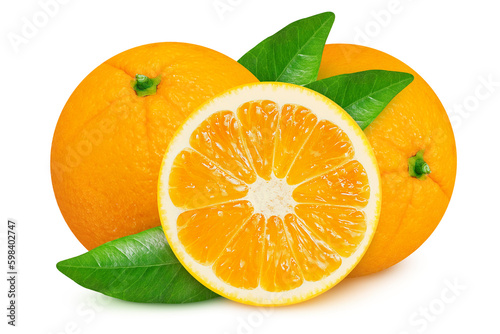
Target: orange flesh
(221,228)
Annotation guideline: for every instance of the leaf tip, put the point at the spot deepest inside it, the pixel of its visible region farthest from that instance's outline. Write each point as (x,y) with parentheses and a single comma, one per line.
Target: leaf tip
(326,17)
(64,267)
(331,14)
(326,14)
(408,80)
(411,77)
(408,75)
(60,266)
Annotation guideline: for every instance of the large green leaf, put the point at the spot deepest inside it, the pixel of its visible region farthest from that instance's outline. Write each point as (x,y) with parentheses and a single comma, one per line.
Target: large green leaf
(293,54)
(138,268)
(363,94)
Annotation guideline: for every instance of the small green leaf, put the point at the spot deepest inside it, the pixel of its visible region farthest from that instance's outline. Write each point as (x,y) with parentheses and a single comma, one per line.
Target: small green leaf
(363,94)
(138,268)
(293,54)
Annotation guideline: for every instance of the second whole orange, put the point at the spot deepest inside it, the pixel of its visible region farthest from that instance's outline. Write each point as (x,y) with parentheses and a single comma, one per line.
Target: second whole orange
(415,149)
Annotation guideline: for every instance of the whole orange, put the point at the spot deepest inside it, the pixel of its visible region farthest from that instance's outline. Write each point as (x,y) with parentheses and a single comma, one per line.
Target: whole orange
(413,127)
(113,131)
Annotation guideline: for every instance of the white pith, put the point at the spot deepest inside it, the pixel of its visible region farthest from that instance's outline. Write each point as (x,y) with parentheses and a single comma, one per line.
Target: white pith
(271,197)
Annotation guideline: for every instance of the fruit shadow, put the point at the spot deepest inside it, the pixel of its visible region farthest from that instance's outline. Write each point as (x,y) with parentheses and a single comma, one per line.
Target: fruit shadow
(338,295)
(115,303)
(343,293)
(365,285)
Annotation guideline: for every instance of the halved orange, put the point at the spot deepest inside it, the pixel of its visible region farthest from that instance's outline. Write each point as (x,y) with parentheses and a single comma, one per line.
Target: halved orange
(269,194)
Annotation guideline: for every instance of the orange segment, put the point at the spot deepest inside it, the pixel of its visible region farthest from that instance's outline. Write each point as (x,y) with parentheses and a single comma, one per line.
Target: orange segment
(259,120)
(280,270)
(295,126)
(346,185)
(197,182)
(341,228)
(327,147)
(315,258)
(214,226)
(240,262)
(220,140)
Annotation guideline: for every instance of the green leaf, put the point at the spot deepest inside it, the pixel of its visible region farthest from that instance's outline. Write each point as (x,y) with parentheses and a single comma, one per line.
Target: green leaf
(293,54)
(363,94)
(138,268)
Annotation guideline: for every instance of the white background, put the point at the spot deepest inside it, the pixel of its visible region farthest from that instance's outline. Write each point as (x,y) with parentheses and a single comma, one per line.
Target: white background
(452,44)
